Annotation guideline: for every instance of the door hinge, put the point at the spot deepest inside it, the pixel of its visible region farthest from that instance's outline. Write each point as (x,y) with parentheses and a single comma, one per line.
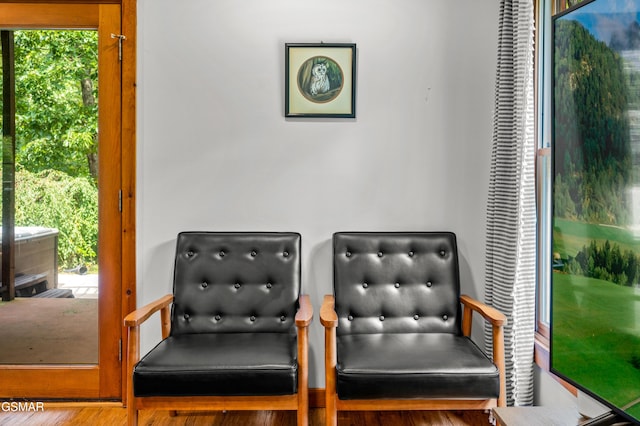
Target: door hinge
(120,37)
(120,350)
(120,200)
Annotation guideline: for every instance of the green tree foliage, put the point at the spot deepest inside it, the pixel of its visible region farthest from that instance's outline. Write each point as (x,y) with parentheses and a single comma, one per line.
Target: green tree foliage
(562,199)
(605,262)
(56,128)
(56,138)
(54,199)
(591,126)
(569,3)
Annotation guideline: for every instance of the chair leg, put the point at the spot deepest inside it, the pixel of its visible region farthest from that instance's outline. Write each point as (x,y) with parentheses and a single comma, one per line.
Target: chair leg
(132,413)
(303,415)
(133,355)
(303,376)
(303,404)
(331,412)
(132,410)
(331,415)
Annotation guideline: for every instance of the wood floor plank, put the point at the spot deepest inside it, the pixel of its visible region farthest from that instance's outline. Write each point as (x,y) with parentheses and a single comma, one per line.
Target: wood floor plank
(118,416)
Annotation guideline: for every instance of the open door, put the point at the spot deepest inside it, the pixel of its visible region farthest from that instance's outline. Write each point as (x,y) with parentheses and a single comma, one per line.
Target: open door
(102,378)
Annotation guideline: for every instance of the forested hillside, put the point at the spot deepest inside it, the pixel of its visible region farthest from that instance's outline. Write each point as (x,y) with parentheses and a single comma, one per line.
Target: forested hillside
(591,128)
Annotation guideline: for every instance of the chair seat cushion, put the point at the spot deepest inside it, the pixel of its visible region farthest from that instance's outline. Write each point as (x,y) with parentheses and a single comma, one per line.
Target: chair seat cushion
(413,365)
(223,364)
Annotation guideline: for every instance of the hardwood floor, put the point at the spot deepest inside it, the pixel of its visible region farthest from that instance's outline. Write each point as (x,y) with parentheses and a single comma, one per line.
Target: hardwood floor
(116,415)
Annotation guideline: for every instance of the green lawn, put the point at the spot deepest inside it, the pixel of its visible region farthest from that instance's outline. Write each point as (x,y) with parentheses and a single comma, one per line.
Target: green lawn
(569,236)
(596,324)
(596,337)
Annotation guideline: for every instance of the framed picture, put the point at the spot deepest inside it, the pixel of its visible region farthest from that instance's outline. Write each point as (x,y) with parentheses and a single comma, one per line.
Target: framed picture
(320,80)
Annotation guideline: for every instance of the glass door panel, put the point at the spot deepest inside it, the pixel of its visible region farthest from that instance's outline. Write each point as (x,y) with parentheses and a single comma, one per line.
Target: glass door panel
(54,318)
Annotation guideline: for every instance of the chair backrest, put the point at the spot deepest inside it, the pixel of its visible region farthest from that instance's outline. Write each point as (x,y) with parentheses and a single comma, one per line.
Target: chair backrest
(396,282)
(235,282)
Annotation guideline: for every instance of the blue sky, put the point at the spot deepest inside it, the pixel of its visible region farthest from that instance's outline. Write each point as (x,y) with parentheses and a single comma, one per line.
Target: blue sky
(603,18)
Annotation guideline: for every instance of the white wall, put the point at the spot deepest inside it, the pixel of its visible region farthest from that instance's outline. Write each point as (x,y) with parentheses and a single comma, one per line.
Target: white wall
(216,153)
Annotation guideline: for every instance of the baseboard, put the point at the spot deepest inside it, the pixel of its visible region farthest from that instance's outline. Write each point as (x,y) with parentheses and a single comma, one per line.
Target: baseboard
(316,398)
(82,404)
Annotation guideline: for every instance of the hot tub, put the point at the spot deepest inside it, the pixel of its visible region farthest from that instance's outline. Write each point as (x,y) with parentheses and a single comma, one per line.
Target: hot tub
(36,252)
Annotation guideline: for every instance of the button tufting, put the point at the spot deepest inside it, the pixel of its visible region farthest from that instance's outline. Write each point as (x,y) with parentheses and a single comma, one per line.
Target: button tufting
(445,317)
(365,285)
(397,285)
(218,317)
(442,253)
(254,253)
(416,317)
(429,283)
(411,253)
(222,253)
(285,253)
(252,318)
(350,317)
(348,254)
(186,317)
(381,317)
(283,318)
(236,285)
(379,254)
(269,285)
(205,284)
(190,253)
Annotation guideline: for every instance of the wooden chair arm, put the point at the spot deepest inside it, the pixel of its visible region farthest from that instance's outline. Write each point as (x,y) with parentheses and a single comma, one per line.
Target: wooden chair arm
(304,316)
(492,315)
(498,320)
(328,315)
(140,315)
(133,321)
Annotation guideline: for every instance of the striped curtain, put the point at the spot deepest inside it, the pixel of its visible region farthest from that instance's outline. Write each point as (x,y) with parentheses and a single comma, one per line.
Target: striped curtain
(511,222)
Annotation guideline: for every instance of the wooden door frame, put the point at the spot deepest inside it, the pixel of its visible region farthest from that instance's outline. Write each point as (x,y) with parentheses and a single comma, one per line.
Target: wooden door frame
(128,268)
(91,382)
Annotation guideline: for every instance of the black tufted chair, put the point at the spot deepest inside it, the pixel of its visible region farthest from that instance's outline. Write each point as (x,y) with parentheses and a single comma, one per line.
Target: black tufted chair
(237,334)
(397,330)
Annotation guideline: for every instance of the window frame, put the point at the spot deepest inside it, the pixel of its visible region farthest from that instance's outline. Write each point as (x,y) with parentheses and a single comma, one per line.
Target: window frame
(544,10)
